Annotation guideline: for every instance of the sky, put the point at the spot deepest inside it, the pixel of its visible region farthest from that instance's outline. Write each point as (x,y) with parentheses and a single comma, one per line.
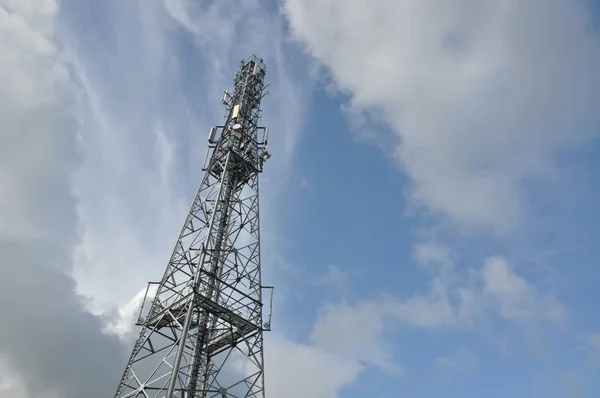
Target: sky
(429,215)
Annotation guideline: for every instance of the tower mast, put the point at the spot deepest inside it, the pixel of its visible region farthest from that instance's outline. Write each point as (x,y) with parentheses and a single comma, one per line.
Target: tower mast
(202,335)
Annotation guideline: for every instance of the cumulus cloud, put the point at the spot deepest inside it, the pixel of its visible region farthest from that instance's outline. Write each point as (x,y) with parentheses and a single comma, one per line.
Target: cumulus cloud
(481,95)
(297,370)
(460,300)
(457,298)
(465,298)
(513,298)
(51,345)
(355,332)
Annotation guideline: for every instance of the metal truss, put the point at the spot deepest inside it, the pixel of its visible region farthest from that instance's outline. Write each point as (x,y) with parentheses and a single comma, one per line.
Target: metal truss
(202,335)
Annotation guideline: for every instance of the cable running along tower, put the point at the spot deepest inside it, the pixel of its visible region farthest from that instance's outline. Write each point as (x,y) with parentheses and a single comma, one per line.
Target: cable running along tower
(202,335)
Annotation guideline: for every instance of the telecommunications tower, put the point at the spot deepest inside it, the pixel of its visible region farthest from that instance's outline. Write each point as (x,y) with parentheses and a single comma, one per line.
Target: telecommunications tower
(202,335)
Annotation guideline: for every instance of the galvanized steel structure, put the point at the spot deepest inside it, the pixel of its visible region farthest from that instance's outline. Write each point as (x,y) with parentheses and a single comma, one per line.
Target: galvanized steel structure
(202,335)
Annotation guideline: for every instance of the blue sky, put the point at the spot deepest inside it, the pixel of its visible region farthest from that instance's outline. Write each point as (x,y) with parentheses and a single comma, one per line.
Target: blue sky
(429,215)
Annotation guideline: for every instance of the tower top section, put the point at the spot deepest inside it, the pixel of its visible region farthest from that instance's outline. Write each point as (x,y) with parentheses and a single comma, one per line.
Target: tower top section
(243,104)
(242,115)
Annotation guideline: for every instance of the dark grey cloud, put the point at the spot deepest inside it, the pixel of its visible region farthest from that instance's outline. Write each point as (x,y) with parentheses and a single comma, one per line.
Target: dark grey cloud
(47,335)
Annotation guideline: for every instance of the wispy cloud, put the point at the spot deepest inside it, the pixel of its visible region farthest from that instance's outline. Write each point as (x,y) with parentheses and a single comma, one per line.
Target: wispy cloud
(144,144)
(129,182)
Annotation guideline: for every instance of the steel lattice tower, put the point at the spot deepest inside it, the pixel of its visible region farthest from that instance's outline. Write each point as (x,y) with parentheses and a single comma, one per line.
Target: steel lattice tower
(202,335)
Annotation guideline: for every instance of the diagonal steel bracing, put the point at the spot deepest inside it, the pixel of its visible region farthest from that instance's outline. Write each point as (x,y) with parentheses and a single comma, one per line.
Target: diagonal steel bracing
(202,334)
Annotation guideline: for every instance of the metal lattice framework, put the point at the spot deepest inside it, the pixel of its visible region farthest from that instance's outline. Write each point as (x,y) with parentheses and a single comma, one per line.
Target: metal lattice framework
(202,335)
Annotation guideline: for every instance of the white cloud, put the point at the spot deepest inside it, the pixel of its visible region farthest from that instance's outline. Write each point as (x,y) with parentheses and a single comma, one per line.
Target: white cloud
(122,323)
(11,385)
(465,298)
(465,301)
(356,333)
(428,311)
(462,301)
(136,122)
(296,370)
(482,95)
(514,298)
